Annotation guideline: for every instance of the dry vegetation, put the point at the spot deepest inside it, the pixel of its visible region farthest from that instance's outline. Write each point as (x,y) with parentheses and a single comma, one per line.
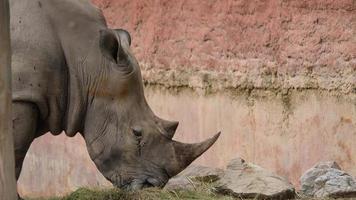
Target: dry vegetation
(203,192)
(146,194)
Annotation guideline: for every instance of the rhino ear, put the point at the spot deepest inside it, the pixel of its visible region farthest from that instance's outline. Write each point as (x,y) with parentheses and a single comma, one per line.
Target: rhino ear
(124,35)
(109,44)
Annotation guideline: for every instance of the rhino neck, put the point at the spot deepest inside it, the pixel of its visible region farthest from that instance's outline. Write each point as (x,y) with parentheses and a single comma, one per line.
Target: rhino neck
(78,29)
(84,70)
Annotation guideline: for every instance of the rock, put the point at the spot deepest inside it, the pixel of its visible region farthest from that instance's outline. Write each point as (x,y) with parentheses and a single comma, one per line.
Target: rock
(326,179)
(180,183)
(202,173)
(246,180)
(191,176)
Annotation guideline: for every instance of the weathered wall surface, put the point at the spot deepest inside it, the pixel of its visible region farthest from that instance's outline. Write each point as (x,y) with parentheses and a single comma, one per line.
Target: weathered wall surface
(286,133)
(277,77)
(56,165)
(274,43)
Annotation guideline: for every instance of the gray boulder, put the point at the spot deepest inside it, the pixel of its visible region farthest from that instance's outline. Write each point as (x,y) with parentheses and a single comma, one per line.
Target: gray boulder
(246,180)
(326,179)
(192,175)
(180,183)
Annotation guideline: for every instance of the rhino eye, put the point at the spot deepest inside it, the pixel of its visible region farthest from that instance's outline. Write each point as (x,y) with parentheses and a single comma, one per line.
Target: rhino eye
(137,132)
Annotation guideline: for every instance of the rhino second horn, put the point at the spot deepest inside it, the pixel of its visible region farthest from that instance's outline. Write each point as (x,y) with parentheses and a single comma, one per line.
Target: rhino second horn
(170,128)
(187,153)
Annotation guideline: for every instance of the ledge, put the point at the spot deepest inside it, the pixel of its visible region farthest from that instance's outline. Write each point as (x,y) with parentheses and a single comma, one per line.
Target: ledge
(342,80)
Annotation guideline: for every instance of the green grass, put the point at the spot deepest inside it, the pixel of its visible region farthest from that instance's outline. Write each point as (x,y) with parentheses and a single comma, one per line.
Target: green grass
(200,192)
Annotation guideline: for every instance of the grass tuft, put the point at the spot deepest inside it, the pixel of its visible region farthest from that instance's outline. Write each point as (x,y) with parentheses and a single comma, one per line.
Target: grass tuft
(201,191)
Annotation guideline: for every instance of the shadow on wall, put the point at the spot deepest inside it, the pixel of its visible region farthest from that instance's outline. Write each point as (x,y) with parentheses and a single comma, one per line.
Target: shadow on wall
(286,134)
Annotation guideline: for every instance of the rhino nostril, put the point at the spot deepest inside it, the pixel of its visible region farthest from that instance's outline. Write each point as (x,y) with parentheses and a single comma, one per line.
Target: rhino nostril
(152,182)
(147,184)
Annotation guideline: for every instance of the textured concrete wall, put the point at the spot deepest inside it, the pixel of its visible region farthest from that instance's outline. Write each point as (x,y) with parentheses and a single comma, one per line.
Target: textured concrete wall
(277,77)
(283,132)
(57,165)
(219,34)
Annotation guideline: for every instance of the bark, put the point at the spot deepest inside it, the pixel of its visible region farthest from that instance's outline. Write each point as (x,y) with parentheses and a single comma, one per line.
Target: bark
(7,166)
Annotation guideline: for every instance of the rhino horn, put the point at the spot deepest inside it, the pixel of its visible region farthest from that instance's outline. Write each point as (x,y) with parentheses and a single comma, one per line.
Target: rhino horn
(170,128)
(187,153)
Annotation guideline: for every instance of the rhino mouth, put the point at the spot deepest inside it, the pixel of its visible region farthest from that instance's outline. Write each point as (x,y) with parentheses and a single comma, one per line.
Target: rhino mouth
(132,184)
(138,184)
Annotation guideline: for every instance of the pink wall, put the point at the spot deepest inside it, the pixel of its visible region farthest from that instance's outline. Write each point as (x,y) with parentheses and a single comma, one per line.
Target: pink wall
(218,34)
(284,134)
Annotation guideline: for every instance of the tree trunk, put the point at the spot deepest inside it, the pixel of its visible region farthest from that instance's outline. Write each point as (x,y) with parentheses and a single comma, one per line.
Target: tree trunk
(7,165)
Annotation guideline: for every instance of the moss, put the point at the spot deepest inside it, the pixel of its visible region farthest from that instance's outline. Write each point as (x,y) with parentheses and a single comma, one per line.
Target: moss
(262,77)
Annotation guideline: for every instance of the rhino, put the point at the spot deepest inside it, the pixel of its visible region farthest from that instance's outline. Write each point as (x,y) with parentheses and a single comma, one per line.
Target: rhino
(72,73)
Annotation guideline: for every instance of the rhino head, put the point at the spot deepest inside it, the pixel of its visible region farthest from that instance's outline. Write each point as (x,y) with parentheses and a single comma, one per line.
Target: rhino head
(130,145)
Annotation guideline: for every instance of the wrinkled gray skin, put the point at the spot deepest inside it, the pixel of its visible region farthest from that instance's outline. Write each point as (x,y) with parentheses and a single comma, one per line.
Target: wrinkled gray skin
(71,73)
